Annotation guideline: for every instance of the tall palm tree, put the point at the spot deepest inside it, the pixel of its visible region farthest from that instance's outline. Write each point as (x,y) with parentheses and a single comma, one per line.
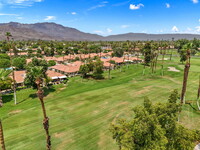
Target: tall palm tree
(4,77)
(2,137)
(198,95)
(8,36)
(186,72)
(38,73)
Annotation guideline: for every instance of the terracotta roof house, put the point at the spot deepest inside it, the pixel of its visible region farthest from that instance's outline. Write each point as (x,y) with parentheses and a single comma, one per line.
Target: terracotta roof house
(133,59)
(69,70)
(19,77)
(56,77)
(118,60)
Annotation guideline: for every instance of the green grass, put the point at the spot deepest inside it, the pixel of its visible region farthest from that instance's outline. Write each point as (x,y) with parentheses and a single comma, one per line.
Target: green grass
(81,112)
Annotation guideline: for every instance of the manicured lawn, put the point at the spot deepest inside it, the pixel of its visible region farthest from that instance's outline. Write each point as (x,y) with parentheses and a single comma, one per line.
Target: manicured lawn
(81,112)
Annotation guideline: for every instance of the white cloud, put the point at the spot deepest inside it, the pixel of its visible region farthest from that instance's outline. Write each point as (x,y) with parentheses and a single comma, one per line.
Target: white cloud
(175,29)
(2,14)
(189,29)
(195,1)
(102,4)
(109,30)
(48,18)
(121,4)
(168,5)
(73,13)
(97,6)
(160,31)
(125,26)
(19,18)
(98,32)
(198,28)
(22,2)
(135,7)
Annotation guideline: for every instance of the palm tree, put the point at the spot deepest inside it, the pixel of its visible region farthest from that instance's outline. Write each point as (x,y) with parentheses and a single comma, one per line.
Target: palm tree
(38,73)
(186,72)
(8,35)
(4,77)
(2,137)
(198,95)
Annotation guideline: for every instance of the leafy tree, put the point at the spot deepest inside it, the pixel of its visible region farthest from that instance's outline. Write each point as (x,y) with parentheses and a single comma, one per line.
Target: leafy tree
(5,82)
(84,69)
(39,62)
(154,127)
(4,56)
(147,53)
(33,68)
(4,63)
(51,63)
(19,63)
(98,69)
(118,52)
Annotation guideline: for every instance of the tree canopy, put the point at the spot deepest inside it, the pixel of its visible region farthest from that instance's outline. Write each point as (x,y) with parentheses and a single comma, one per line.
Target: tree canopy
(154,127)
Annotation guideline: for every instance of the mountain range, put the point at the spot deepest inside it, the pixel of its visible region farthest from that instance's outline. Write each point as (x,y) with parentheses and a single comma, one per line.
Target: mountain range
(53,31)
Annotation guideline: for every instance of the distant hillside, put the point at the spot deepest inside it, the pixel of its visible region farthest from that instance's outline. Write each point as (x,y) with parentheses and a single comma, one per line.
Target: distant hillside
(45,31)
(145,37)
(53,31)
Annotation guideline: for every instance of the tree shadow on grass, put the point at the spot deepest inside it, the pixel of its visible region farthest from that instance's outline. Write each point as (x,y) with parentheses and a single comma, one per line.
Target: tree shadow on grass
(49,90)
(7,98)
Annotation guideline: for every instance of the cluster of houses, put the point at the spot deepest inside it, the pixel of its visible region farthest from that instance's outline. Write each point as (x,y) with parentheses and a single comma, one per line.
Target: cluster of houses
(66,66)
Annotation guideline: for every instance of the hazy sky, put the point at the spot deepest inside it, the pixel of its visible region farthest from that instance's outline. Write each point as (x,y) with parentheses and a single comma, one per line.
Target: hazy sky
(109,16)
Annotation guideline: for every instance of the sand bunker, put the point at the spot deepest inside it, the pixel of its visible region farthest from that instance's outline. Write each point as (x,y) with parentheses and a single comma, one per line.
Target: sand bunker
(173,69)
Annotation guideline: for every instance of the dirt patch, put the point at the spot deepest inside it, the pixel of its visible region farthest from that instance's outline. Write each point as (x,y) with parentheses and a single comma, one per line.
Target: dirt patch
(96,112)
(59,135)
(144,90)
(14,112)
(173,69)
(62,88)
(102,139)
(66,138)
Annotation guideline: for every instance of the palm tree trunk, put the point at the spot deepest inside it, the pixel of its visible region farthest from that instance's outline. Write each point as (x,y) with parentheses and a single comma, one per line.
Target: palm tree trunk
(109,71)
(198,95)
(186,72)
(1,100)
(143,70)
(2,137)
(171,55)
(156,62)
(46,119)
(14,87)
(13,75)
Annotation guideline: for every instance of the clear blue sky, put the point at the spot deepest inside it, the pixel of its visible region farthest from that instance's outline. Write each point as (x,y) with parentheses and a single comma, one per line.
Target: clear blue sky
(107,17)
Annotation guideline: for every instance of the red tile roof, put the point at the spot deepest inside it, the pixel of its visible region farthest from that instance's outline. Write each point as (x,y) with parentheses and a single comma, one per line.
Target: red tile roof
(19,76)
(53,74)
(118,59)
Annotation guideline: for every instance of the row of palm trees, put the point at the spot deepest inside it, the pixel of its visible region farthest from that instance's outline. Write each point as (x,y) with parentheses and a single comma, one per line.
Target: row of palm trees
(39,75)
